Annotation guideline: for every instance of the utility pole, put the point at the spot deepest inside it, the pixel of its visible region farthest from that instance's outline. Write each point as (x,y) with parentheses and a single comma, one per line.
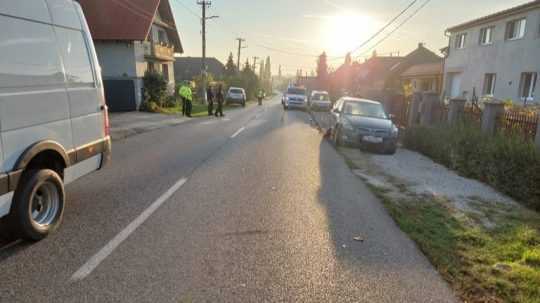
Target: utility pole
(255,58)
(204,5)
(240,47)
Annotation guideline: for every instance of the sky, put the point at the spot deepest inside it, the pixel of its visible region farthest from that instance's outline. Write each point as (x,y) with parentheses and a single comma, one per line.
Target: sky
(294,32)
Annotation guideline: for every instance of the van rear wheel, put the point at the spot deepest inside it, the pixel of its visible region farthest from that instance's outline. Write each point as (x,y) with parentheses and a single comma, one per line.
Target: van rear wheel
(38,204)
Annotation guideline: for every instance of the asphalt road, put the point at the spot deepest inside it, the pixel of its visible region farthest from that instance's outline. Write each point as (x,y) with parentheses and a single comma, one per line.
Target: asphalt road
(253,208)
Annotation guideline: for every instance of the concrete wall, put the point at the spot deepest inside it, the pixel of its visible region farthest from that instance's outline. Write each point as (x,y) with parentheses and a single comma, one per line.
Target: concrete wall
(117,59)
(506,59)
(141,65)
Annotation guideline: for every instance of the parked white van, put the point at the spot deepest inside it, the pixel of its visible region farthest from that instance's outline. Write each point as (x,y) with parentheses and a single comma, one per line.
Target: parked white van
(54,125)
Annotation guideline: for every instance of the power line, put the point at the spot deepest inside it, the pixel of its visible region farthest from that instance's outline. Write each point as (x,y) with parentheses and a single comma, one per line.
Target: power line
(396,28)
(284,51)
(191,11)
(382,29)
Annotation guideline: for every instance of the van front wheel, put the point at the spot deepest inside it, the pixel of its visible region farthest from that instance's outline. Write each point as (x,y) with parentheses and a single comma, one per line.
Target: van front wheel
(38,204)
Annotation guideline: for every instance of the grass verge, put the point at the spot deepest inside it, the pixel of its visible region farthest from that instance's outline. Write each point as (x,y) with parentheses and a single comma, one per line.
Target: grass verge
(491,254)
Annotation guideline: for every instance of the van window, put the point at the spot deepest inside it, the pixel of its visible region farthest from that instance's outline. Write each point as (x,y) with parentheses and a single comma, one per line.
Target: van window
(29,54)
(75,56)
(63,13)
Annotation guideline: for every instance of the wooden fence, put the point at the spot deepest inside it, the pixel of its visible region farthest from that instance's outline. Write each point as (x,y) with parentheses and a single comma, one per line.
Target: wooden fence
(519,122)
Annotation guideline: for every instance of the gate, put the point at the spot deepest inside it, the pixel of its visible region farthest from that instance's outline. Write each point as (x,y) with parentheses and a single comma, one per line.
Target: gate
(120,95)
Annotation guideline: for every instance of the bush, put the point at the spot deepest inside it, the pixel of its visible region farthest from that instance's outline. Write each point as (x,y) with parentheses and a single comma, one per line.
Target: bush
(155,88)
(150,106)
(508,163)
(170,101)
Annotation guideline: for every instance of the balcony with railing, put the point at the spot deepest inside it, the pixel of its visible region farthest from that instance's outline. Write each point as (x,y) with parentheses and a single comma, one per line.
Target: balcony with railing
(158,51)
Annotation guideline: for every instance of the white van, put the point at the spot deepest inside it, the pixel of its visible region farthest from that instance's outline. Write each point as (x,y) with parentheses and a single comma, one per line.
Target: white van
(54,125)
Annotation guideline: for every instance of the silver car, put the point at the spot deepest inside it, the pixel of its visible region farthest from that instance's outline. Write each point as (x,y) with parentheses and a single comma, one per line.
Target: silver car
(365,123)
(320,100)
(236,95)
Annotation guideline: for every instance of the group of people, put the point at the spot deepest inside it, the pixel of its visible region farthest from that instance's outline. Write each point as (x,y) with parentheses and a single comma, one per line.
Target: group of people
(215,96)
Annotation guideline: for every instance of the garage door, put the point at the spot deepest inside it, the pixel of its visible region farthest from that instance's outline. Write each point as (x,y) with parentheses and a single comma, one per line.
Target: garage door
(120,95)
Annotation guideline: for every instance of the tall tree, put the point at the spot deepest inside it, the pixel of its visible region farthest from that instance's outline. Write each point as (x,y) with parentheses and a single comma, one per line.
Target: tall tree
(267,69)
(261,71)
(247,67)
(230,67)
(348,59)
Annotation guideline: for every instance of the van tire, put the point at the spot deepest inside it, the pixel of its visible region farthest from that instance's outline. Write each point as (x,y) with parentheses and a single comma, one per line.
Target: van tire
(41,189)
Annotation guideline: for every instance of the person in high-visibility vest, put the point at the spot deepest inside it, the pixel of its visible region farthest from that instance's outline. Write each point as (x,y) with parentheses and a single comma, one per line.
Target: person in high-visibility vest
(187,97)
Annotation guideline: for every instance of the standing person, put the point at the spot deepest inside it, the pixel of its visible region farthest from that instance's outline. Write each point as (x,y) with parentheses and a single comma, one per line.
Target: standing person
(186,95)
(210,98)
(219,98)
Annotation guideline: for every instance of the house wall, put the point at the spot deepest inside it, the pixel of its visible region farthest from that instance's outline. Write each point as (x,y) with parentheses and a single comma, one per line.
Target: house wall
(506,59)
(123,61)
(117,59)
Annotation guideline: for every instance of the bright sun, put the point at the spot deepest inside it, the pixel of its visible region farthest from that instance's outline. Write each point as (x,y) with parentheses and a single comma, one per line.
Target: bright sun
(344,33)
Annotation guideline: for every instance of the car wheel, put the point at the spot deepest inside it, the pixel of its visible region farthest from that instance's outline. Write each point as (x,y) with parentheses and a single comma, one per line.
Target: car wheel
(338,140)
(390,150)
(38,204)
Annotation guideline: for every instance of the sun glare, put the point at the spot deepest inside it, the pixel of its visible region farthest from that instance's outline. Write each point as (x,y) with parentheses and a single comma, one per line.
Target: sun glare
(343,33)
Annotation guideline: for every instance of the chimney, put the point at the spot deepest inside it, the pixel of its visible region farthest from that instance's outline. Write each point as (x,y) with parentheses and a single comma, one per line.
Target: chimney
(421,45)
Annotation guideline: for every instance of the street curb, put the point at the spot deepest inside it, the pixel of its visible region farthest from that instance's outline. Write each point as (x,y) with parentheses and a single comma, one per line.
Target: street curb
(124,133)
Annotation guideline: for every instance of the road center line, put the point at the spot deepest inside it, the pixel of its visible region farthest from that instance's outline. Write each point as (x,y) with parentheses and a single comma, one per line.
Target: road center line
(238,132)
(94,262)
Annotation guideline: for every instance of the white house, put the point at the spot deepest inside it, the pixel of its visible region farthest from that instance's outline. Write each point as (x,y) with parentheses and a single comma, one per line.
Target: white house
(496,55)
(132,37)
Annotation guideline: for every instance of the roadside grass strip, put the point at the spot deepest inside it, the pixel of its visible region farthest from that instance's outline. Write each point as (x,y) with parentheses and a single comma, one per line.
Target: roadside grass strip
(489,252)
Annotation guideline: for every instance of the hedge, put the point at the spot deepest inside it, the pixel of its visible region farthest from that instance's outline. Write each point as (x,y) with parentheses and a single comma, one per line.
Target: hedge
(506,162)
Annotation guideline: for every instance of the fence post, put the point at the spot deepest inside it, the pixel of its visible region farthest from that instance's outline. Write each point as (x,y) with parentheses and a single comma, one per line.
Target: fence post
(492,111)
(456,110)
(414,112)
(429,102)
(538,134)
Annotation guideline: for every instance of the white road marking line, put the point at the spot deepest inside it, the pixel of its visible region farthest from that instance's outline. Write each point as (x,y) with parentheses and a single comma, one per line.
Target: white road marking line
(94,262)
(238,132)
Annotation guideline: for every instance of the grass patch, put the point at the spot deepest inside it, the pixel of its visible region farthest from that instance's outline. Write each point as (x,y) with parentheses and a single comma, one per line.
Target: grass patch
(499,264)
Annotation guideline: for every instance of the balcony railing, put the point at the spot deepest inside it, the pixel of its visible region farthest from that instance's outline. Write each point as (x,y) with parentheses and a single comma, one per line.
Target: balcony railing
(159,51)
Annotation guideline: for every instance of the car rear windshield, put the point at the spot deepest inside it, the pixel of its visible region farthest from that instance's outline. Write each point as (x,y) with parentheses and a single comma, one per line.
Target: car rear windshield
(236,91)
(372,110)
(296,91)
(320,97)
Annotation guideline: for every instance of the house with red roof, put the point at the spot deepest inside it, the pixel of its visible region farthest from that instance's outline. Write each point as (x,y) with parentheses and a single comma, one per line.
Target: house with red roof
(132,37)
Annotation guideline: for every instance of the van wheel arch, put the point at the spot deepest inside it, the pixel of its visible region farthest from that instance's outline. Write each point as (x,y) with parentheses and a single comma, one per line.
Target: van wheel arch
(44,155)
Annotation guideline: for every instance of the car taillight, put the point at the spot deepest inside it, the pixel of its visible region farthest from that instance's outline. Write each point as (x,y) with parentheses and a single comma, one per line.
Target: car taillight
(106,123)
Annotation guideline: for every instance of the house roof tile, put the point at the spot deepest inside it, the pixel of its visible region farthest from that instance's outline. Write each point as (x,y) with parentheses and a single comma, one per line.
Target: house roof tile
(127,19)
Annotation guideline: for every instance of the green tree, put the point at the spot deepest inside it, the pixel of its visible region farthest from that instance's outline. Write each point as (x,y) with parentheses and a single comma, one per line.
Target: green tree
(230,67)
